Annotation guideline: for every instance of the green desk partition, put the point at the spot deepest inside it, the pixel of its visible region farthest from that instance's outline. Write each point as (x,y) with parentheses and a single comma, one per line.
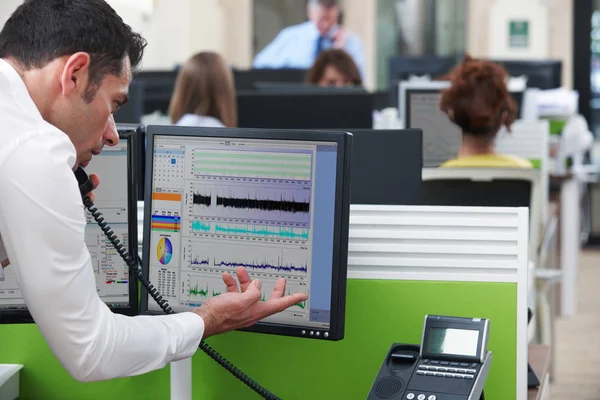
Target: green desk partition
(379,312)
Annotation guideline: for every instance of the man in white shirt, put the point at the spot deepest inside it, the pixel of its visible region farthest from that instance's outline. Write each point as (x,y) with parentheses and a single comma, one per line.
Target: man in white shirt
(299,46)
(65,67)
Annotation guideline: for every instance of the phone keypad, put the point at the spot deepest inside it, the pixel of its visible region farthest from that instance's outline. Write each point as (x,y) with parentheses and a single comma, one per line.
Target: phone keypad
(432,370)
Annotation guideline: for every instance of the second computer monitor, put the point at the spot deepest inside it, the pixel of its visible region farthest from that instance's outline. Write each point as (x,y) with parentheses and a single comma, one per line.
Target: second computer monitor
(276,203)
(421,110)
(386,167)
(305,110)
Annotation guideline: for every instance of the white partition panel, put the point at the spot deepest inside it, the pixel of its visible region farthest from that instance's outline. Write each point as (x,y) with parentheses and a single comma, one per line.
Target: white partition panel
(469,244)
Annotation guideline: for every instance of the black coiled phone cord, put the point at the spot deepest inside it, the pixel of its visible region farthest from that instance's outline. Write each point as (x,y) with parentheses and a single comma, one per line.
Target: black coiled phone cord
(135,268)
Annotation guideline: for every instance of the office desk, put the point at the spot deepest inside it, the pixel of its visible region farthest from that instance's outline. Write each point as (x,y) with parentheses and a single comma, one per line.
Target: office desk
(539,359)
(567,187)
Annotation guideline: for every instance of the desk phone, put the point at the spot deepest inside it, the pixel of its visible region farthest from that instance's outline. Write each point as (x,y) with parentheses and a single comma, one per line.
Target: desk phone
(452,363)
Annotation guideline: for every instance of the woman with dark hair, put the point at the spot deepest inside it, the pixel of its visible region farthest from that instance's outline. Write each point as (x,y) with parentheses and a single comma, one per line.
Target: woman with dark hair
(334,68)
(478,102)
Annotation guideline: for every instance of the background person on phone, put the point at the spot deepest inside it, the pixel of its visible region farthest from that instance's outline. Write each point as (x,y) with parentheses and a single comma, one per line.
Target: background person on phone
(299,46)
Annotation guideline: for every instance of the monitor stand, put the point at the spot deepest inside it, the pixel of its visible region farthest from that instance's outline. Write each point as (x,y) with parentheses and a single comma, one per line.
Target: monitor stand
(181,379)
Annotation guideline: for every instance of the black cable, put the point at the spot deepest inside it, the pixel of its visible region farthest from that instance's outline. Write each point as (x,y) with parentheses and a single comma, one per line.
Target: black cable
(135,268)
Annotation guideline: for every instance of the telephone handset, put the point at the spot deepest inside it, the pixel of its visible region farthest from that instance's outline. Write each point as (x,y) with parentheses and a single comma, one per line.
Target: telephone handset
(85,187)
(84,181)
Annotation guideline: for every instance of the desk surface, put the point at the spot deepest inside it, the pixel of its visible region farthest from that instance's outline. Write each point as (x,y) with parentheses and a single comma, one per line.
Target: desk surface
(539,359)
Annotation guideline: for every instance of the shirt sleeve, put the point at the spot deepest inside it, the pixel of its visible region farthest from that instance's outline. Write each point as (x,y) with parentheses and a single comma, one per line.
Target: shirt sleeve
(273,55)
(355,48)
(43,226)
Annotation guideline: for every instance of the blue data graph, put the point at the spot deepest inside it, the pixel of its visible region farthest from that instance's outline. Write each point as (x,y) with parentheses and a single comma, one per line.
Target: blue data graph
(255,257)
(266,231)
(280,266)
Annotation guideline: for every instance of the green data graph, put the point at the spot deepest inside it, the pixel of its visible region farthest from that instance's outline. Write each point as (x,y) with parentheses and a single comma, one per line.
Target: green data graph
(254,164)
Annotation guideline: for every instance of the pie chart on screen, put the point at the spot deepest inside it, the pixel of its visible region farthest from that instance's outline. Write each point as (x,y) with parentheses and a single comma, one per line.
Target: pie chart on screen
(164,251)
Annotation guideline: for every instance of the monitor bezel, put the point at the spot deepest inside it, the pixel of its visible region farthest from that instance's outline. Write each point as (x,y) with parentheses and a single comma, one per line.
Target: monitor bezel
(23,316)
(416,86)
(341,217)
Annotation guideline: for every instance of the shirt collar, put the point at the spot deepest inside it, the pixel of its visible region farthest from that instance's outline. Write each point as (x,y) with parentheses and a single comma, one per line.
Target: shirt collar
(18,89)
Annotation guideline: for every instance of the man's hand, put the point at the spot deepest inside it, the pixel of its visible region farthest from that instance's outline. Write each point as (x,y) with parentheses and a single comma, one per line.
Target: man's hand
(339,38)
(95,181)
(239,309)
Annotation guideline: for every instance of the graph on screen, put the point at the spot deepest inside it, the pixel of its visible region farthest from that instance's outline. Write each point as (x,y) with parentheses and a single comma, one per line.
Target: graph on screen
(252,164)
(234,205)
(254,200)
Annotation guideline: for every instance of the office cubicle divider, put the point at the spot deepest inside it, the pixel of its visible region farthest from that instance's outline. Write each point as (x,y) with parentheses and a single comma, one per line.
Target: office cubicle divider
(404,262)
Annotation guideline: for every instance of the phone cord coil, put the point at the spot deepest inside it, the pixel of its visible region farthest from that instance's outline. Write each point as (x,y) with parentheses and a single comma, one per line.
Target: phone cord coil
(164,305)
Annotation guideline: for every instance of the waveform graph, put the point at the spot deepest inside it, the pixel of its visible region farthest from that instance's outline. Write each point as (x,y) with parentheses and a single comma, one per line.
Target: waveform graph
(284,165)
(290,288)
(198,288)
(251,201)
(254,257)
(262,231)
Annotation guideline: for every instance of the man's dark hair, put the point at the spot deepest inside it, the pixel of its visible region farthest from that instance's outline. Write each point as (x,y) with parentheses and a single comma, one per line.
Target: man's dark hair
(41,30)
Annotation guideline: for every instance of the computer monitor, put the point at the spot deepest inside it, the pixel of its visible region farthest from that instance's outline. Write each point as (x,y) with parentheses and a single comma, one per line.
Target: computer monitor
(132,111)
(301,88)
(138,155)
(386,167)
(305,110)
(274,202)
(246,79)
(158,89)
(421,110)
(114,200)
(543,74)
(402,68)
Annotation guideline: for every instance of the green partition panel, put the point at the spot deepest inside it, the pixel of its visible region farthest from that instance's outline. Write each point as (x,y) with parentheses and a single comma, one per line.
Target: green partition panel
(379,312)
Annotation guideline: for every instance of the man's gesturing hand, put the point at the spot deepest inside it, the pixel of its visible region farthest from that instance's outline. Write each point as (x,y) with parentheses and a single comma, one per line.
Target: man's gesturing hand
(239,309)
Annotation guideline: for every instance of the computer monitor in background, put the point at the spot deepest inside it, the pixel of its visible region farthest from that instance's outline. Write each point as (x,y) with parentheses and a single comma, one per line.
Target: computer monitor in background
(158,90)
(247,79)
(132,111)
(276,203)
(114,200)
(302,88)
(421,110)
(305,111)
(403,68)
(387,167)
(545,74)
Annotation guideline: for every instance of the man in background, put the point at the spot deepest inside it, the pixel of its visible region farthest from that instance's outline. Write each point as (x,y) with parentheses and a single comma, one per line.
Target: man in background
(298,46)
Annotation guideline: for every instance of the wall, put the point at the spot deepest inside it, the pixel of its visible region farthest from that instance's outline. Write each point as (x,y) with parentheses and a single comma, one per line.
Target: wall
(360,18)
(556,36)
(177,29)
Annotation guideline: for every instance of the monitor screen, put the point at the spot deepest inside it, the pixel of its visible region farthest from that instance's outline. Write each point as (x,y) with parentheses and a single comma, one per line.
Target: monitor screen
(441,137)
(112,276)
(453,341)
(218,199)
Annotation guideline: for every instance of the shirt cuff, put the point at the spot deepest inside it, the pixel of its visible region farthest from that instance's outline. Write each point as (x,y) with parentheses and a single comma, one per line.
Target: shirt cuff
(192,327)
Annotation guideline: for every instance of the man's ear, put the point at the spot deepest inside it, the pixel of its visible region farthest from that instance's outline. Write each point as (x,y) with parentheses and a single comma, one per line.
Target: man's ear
(75,74)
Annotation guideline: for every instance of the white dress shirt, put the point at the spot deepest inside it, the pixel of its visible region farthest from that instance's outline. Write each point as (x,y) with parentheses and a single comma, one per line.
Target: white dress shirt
(42,226)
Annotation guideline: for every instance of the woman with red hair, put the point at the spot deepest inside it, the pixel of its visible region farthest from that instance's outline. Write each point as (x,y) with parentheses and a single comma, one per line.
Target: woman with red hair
(478,102)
